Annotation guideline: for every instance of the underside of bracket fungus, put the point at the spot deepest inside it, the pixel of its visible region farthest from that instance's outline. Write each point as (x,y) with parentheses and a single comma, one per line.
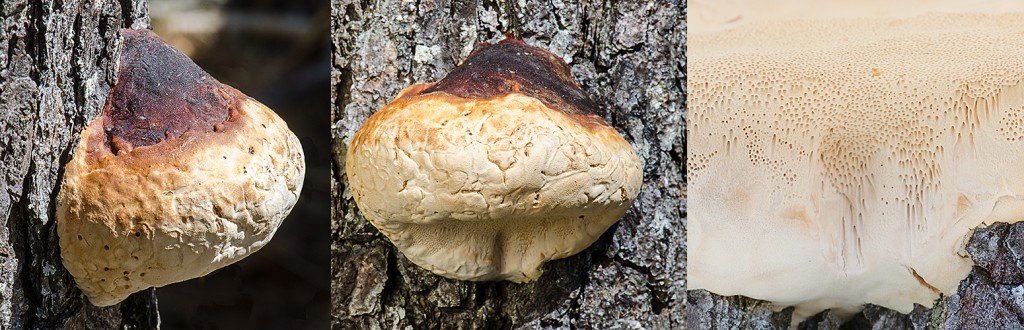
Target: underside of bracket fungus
(838,162)
(180,175)
(495,169)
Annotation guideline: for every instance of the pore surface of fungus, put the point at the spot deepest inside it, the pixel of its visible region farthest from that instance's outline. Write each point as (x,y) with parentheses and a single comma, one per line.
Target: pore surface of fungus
(495,169)
(839,162)
(180,175)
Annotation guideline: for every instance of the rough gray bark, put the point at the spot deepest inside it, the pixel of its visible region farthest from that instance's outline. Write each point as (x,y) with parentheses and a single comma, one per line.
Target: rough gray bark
(57,63)
(628,55)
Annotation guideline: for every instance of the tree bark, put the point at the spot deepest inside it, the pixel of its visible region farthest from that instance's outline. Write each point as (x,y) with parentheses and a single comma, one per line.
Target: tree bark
(57,63)
(627,55)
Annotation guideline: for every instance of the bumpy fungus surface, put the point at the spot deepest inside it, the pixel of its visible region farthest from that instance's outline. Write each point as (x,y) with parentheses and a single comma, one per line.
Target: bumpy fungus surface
(839,162)
(495,169)
(179,176)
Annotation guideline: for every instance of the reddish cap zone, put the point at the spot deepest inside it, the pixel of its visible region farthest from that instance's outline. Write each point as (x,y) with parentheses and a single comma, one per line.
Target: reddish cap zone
(513,66)
(161,94)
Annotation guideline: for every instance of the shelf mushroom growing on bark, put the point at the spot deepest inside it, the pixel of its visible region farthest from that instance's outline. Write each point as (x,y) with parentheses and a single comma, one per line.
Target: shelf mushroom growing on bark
(839,162)
(179,175)
(493,170)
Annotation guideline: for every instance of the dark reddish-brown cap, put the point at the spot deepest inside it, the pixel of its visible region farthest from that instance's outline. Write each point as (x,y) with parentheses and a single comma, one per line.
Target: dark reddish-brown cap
(160,94)
(511,66)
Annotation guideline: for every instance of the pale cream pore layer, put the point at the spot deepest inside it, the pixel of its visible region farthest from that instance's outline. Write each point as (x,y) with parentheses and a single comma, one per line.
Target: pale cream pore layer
(838,162)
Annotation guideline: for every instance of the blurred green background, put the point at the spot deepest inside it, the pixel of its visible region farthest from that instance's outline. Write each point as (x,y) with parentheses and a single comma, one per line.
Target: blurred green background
(278,53)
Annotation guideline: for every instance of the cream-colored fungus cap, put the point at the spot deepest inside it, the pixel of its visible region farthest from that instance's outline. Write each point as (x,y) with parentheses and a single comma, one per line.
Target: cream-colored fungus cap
(495,169)
(179,176)
(842,161)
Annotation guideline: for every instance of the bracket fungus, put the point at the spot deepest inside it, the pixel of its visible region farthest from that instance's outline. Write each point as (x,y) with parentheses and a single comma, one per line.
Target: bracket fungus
(179,175)
(838,162)
(493,170)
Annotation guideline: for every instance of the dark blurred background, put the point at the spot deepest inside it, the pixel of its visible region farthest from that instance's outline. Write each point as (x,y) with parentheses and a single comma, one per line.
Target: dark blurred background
(277,52)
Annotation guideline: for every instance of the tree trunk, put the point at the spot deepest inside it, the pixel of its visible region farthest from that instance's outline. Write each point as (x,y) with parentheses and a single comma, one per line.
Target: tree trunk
(628,55)
(57,63)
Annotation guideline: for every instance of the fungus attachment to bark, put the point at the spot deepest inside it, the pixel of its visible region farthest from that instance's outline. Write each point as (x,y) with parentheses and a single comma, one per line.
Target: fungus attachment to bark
(179,175)
(838,162)
(495,169)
